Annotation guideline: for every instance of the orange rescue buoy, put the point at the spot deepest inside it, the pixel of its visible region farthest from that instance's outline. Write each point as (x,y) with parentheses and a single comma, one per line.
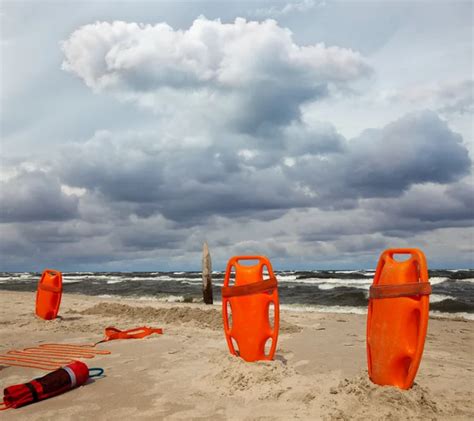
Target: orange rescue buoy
(246,308)
(397,320)
(48,296)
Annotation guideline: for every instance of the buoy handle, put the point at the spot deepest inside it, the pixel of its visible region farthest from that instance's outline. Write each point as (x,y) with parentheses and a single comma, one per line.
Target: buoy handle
(95,372)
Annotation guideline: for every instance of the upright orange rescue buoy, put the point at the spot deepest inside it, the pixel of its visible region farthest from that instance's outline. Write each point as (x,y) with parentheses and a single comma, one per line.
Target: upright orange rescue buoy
(249,302)
(48,296)
(398,318)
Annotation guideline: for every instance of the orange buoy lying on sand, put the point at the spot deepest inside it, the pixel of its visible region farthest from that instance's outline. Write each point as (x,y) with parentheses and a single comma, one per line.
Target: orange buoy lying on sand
(398,318)
(246,308)
(48,296)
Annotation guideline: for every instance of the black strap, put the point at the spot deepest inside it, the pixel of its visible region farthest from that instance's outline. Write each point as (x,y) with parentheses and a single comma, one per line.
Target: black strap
(33,391)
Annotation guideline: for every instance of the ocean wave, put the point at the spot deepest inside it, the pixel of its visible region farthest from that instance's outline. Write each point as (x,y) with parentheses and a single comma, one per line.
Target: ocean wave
(335,281)
(367,273)
(458,315)
(470,280)
(71,281)
(20,277)
(323,309)
(363,310)
(437,298)
(329,286)
(437,280)
(166,299)
(326,289)
(453,305)
(286,278)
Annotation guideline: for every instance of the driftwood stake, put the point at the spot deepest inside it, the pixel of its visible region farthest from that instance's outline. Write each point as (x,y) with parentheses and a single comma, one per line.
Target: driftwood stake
(206,275)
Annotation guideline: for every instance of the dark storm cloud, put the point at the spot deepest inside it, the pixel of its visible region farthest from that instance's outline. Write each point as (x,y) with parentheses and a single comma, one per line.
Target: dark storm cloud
(463,193)
(154,233)
(361,244)
(423,208)
(181,183)
(417,148)
(35,196)
(191,182)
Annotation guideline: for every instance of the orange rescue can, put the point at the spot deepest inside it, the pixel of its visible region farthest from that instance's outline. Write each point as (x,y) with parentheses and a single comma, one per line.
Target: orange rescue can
(246,308)
(48,295)
(397,319)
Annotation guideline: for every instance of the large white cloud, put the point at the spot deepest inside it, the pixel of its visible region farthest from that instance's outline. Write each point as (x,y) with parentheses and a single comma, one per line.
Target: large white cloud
(252,73)
(228,55)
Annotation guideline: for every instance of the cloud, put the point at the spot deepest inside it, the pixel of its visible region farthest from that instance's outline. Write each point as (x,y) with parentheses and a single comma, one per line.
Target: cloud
(227,151)
(452,97)
(251,74)
(432,203)
(299,167)
(35,196)
(296,6)
(417,148)
(182,183)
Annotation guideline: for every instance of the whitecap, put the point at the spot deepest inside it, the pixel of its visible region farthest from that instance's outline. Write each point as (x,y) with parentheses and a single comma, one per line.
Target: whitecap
(437,280)
(437,298)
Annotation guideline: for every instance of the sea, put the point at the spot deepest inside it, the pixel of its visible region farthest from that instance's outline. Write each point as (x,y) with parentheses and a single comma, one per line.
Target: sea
(339,291)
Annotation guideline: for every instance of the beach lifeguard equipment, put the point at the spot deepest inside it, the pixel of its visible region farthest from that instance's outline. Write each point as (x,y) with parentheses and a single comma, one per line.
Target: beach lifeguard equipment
(397,319)
(48,296)
(112,333)
(248,322)
(53,356)
(52,384)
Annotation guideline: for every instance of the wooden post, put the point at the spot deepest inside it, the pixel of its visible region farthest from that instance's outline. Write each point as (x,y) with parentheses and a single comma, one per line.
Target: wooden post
(206,275)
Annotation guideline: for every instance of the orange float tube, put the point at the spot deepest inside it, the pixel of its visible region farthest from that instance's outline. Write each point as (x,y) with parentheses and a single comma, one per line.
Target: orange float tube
(48,296)
(246,308)
(397,320)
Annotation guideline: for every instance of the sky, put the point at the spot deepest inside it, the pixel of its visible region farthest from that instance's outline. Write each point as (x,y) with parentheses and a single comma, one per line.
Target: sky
(317,133)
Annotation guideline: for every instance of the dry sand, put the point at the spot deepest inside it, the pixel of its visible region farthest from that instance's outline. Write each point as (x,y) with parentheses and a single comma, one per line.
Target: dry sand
(187,373)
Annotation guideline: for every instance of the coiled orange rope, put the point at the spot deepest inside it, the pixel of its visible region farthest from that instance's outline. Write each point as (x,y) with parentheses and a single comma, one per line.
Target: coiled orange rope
(49,356)
(54,356)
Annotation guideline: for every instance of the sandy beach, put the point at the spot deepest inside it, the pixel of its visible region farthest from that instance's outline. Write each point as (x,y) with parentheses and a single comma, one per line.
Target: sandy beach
(187,373)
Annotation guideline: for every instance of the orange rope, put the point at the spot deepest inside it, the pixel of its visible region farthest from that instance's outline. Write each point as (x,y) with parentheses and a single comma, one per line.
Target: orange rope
(49,356)
(54,356)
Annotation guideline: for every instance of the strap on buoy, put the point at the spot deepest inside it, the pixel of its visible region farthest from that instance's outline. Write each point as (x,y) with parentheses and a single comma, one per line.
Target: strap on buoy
(248,289)
(50,288)
(400,290)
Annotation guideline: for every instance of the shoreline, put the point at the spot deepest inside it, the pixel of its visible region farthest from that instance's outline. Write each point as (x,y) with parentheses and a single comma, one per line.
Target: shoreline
(319,371)
(452,296)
